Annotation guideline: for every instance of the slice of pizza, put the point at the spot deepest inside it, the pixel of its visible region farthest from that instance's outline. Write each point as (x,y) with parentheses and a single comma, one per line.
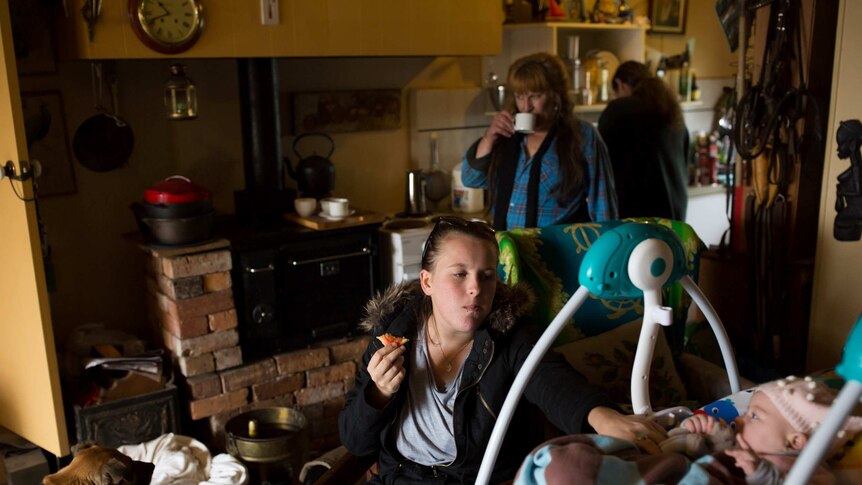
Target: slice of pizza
(388,338)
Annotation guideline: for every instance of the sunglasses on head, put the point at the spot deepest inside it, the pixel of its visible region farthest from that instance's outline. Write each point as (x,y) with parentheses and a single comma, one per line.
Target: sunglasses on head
(479,228)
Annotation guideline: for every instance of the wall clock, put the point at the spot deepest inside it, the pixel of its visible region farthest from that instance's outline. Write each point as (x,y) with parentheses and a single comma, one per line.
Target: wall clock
(167,26)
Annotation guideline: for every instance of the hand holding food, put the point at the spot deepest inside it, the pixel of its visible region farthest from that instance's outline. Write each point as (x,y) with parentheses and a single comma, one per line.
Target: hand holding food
(386,369)
(387,339)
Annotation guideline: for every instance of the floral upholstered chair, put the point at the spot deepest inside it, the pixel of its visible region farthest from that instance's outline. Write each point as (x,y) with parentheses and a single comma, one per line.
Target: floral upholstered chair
(601,340)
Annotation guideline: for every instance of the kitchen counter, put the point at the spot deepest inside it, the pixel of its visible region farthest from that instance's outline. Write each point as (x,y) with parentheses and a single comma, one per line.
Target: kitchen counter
(243,235)
(466,215)
(701,190)
(706,212)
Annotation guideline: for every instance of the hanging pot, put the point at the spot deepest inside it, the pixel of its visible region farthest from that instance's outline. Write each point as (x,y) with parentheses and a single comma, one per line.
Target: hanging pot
(314,175)
(104,141)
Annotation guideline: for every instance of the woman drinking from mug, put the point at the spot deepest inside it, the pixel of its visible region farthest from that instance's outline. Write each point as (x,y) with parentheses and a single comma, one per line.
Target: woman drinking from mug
(426,408)
(571,179)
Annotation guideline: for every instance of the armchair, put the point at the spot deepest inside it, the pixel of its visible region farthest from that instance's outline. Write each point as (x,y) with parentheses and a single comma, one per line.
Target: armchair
(600,341)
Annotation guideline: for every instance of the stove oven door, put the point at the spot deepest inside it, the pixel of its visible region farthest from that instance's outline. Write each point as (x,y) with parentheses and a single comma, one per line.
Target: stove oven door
(326,284)
(262,332)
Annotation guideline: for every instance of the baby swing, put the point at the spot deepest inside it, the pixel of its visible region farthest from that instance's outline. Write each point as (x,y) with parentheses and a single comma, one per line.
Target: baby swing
(637,260)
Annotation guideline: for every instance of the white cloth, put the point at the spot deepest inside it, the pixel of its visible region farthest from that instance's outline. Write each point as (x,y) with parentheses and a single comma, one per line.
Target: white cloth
(181,460)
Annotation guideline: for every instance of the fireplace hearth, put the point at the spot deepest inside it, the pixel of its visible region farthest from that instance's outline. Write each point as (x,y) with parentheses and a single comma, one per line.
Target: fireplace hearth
(266,315)
(191,303)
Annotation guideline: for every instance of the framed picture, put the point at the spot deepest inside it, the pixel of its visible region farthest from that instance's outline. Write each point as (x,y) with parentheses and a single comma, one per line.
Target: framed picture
(48,142)
(347,111)
(668,16)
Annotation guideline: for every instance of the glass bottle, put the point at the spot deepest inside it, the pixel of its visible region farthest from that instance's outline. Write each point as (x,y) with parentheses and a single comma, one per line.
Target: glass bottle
(684,92)
(181,102)
(695,89)
(577,11)
(573,63)
(587,90)
(604,95)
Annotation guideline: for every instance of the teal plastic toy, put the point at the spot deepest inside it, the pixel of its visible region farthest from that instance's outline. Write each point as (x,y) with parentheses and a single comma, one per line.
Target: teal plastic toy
(629,261)
(850,367)
(843,405)
(605,270)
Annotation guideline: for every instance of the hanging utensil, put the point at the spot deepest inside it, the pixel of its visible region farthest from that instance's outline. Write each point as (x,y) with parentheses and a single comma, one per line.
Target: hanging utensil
(436,181)
(104,141)
(90,11)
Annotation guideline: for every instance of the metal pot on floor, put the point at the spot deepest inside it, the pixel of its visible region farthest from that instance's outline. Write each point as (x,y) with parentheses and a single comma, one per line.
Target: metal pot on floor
(269,436)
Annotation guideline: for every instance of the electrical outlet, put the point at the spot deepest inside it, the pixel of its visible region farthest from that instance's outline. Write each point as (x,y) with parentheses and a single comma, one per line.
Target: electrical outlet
(269,12)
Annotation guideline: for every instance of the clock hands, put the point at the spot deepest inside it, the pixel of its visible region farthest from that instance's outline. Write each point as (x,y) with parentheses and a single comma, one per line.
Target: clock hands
(162,6)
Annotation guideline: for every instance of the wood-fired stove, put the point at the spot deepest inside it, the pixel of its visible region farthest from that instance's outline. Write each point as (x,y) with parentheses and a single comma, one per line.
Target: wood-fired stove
(295,286)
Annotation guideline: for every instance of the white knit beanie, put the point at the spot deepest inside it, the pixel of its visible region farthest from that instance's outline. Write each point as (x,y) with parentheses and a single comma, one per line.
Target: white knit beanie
(804,403)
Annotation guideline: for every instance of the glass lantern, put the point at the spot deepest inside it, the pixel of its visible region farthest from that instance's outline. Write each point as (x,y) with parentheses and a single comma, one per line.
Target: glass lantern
(181,101)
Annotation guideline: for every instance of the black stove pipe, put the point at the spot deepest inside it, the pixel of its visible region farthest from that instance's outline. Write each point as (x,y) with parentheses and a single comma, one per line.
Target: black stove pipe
(265,196)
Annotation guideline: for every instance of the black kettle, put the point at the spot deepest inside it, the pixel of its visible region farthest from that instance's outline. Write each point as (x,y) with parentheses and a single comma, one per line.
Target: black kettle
(315,175)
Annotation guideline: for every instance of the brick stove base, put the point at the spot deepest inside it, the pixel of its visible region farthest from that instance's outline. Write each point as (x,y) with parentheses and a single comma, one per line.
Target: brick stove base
(191,303)
(312,381)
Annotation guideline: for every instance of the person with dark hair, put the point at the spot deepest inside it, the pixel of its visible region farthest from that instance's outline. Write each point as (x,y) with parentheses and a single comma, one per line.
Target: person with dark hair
(425,408)
(648,144)
(571,181)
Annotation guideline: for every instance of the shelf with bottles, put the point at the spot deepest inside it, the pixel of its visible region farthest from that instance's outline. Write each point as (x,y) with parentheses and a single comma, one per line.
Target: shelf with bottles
(599,107)
(625,41)
(618,42)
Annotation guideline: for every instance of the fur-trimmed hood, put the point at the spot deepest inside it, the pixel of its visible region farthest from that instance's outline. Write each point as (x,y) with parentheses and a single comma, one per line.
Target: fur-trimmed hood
(510,304)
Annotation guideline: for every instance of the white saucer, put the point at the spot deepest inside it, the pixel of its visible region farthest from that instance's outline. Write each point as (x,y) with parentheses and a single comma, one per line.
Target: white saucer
(336,218)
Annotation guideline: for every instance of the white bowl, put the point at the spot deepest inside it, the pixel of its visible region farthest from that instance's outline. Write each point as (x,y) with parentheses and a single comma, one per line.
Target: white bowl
(305,206)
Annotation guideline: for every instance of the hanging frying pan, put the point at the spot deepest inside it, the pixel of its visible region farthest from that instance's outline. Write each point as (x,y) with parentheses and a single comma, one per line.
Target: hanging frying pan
(104,141)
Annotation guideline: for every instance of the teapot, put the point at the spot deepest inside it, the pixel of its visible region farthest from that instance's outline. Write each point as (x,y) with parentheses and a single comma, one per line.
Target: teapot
(315,175)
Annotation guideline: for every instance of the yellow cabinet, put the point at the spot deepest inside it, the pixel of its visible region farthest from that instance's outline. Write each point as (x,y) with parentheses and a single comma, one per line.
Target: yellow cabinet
(319,28)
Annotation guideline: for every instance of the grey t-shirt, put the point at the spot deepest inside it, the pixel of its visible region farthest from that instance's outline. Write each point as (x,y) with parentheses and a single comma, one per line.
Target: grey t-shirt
(424,430)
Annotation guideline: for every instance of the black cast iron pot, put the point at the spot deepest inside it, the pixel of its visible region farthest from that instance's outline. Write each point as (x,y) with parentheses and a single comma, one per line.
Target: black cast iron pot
(178,231)
(172,211)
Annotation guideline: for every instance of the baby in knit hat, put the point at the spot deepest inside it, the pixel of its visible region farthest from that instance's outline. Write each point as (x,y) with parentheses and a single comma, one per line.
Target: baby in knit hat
(780,419)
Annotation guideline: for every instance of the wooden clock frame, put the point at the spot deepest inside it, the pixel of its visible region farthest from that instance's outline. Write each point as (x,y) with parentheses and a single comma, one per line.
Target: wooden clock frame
(160,47)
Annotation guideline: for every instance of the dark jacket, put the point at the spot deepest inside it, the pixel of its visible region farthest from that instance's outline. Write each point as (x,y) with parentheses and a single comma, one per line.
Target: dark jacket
(500,347)
(650,160)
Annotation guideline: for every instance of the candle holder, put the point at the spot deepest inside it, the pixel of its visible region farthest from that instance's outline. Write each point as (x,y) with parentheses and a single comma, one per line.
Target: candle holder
(181,102)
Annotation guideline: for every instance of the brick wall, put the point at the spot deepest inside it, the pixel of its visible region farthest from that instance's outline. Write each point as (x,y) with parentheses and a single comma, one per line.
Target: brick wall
(191,303)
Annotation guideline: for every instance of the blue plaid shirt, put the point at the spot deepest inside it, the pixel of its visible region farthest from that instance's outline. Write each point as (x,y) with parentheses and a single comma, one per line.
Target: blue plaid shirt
(600,195)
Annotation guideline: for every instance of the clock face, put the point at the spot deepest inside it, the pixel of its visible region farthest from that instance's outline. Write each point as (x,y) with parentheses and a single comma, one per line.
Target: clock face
(167,26)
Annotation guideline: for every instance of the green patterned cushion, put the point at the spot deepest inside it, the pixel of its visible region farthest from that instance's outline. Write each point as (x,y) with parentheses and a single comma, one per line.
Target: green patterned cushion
(548,259)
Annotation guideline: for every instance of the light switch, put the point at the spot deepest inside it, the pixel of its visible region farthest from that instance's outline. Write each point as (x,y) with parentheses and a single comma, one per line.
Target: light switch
(269,12)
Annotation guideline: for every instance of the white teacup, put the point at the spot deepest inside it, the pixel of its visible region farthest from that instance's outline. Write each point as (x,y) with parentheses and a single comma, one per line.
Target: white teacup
(525,122)
(305,206)
(335,206)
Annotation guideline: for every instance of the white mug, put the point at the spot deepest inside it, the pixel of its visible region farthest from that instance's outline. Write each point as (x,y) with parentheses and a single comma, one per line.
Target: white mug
(525,122)
(305,206)
(335,206)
